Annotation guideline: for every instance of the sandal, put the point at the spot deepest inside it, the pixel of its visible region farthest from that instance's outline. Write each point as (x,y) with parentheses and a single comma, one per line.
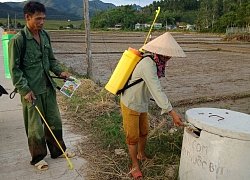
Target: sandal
(68,154)
(42,165)
(136,174)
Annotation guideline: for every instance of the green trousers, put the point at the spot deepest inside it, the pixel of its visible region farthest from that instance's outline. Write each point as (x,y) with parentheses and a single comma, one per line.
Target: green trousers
(36,130)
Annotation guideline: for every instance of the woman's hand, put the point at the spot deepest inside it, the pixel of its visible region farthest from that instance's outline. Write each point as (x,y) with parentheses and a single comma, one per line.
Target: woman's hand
(176,118)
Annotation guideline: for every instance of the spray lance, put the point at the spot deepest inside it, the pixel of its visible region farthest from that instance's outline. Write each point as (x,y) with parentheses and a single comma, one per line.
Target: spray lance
(13,93)
(150,30)
(70,165)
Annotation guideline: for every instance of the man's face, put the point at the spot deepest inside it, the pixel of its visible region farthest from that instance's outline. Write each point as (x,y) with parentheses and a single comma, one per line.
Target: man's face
(35,21)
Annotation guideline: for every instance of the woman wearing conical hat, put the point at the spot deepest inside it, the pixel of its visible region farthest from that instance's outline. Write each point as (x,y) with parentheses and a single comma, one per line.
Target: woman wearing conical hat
(135,100)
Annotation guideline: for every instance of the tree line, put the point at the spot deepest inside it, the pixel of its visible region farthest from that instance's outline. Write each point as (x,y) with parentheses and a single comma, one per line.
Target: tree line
(207,15)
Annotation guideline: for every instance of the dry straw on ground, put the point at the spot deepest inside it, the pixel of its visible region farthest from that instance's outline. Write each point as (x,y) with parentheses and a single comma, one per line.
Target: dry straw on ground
(92,102)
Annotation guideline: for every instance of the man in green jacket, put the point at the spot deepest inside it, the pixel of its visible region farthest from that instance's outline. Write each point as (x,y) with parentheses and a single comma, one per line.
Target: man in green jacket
(33,82)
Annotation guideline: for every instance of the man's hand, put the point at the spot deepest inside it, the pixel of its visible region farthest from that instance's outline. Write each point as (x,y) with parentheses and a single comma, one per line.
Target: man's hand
(65,75)
(176,118)
(30,96)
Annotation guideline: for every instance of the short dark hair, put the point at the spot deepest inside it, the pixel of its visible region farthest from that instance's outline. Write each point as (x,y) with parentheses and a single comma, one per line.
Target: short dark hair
(32,7)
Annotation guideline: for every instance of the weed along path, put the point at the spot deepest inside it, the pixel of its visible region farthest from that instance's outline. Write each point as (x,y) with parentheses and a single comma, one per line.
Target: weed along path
(214,74)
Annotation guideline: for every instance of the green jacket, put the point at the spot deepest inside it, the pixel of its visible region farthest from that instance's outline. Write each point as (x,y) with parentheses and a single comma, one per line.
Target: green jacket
(38,61)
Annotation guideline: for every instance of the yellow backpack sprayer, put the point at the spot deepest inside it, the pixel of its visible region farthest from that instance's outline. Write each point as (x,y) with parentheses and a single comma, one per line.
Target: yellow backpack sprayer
(127,64)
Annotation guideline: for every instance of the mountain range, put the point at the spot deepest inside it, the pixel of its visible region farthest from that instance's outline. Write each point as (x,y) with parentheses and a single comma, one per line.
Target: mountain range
(56,9)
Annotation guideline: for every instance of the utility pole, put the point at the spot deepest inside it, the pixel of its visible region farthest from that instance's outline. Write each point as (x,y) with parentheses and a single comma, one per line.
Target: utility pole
(166,25)
(15,20)
(8,22)
(87,39)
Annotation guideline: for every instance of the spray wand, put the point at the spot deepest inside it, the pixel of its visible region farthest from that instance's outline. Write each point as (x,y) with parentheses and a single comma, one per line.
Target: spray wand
(70,165)
(157,13)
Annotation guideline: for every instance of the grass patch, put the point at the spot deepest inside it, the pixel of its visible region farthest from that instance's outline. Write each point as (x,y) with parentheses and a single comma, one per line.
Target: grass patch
(110,129)
(96,114)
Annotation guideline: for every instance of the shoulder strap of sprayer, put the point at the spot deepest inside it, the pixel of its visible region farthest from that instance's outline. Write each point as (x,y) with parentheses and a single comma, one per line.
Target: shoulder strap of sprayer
(23,49)
(133,83)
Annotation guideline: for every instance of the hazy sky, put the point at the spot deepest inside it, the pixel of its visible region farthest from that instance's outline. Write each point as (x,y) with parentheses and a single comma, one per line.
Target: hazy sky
(115,2)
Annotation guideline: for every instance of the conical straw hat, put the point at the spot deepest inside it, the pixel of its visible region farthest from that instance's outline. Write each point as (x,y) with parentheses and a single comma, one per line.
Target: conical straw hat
(166,45)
